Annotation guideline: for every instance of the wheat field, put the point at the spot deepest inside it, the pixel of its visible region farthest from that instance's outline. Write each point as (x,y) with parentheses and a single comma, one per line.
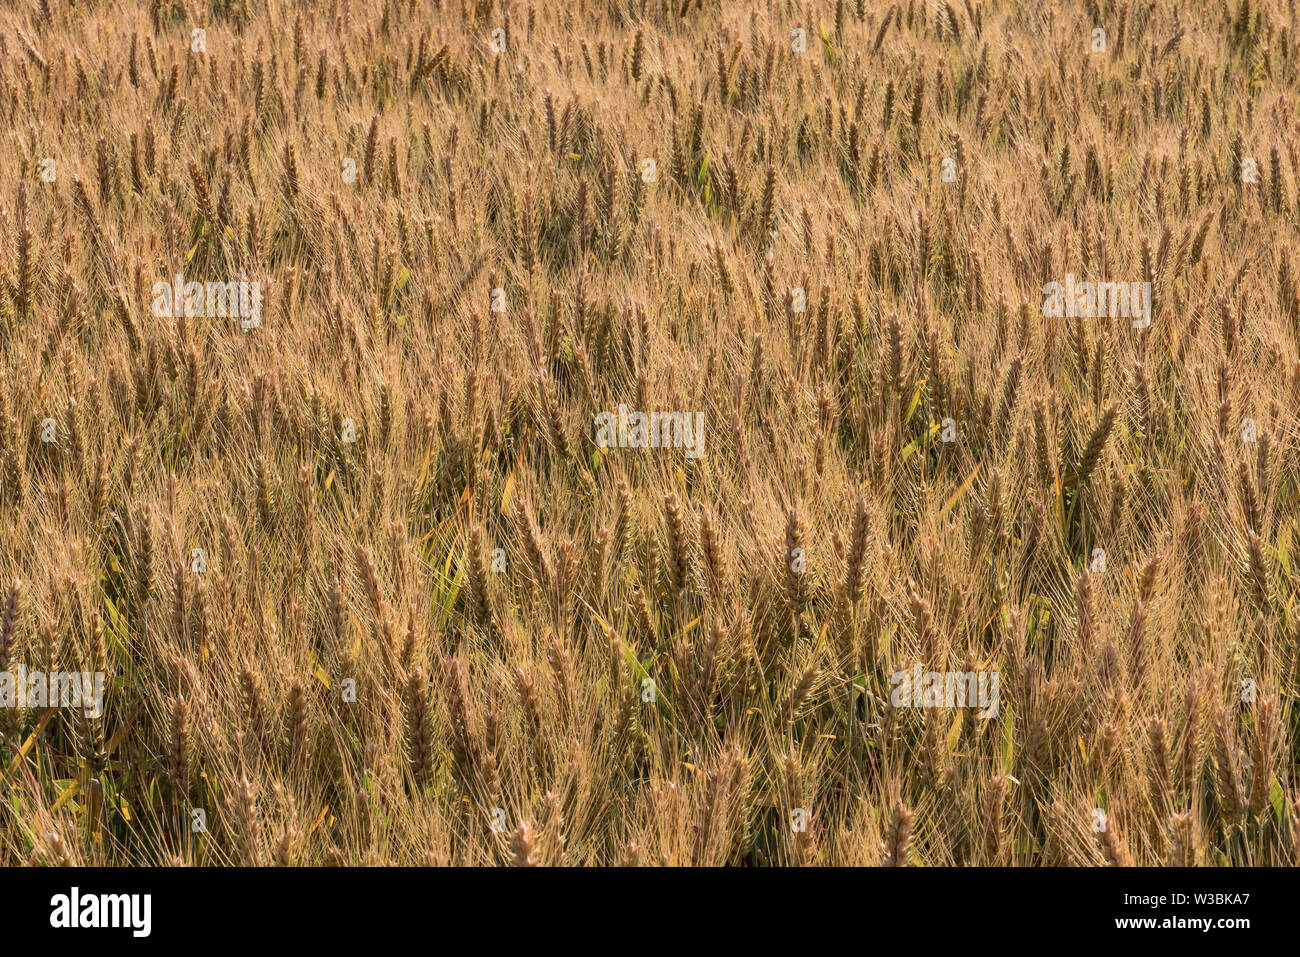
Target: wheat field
(374,553)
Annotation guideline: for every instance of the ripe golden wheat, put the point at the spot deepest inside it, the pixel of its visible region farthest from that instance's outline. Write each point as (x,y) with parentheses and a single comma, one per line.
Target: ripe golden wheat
(367,590)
